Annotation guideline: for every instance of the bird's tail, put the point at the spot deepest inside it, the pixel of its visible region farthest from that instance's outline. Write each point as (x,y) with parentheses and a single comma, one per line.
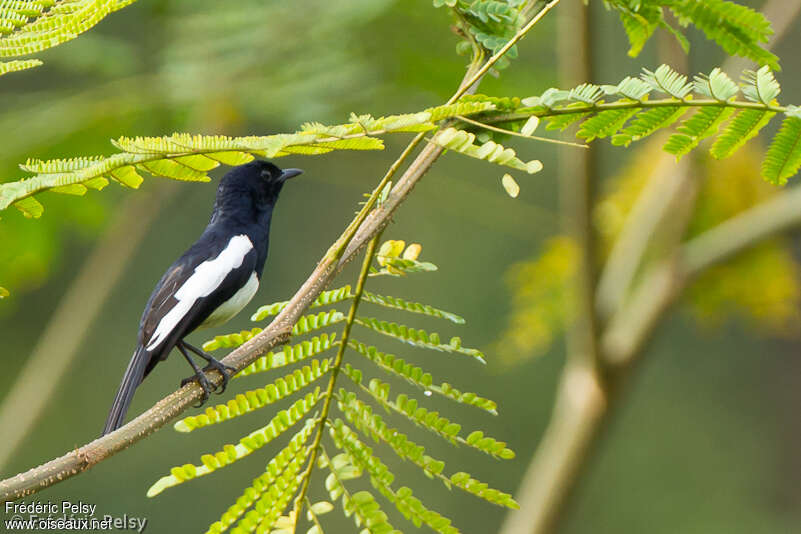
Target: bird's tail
(131,379)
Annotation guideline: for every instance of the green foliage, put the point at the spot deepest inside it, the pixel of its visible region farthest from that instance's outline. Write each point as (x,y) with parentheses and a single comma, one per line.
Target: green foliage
(432,421)
(268,507)
(463,142)
(362,505)
(737,29)
(361,416)
(18,65)
(282,421)
(258,398)
(290,354)
(648,122)
(381,478)
(783,158)
(418,377)
(704,123)
(713,97)
(487,25)
(189,157)
(742,128)
(265,491)
(27,27)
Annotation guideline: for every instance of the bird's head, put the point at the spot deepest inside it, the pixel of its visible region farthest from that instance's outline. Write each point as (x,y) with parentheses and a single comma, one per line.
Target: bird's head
(254,186)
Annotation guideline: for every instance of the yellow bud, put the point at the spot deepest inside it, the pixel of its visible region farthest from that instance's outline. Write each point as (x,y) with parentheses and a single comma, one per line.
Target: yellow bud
(412,251)
(390,249)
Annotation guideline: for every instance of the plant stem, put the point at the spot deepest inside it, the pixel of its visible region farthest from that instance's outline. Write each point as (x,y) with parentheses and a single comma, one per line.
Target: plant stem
(343,345)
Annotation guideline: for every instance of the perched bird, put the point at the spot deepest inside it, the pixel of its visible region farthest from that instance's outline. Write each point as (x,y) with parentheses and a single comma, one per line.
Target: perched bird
(210,283)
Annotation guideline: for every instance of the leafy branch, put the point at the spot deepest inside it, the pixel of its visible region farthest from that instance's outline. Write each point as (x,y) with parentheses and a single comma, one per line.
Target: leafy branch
(30,27)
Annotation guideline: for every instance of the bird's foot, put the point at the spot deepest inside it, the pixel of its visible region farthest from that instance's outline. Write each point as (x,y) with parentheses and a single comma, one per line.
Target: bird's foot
(213,363)
(225,370)
(204,384)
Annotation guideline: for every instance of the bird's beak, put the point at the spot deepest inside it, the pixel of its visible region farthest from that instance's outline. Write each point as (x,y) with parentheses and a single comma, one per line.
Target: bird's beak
(290,173)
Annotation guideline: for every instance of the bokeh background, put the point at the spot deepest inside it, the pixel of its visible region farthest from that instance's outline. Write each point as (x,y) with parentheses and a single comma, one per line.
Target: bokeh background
(706,439)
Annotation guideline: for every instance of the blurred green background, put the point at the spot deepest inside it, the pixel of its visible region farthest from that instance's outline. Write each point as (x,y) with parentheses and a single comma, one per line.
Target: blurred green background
(706,439)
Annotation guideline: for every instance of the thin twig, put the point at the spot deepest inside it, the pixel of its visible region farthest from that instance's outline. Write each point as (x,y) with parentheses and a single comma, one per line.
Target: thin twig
(343,345)
(518,134)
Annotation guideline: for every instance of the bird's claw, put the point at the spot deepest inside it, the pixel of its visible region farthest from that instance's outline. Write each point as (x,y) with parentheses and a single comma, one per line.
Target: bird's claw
(204,384)
(225,370)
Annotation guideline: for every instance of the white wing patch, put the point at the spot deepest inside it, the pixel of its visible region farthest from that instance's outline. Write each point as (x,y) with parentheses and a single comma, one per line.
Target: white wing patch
(207,277)
(234,305)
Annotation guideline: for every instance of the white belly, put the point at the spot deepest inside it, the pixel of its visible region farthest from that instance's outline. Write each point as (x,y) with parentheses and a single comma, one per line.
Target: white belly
(234,305)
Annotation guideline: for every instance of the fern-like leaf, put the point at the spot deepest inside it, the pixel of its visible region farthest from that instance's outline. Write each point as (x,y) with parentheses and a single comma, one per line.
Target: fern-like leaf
(380,476)
(18,65)
(361,416)
(362,505)
(704,123)
(604,124)
(290,354)
(745,126)
(396,303)
(648,122)
(418,377)
(717,85)
(261,493)
(306,324)
(668,81)
(738,29)
(432,421)
(326,298)
(232,453)
(760,86)
(783,158)
(418,337)
(252,400)
(463,142)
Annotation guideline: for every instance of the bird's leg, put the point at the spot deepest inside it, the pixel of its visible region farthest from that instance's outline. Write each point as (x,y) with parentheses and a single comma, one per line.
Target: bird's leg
(200,377)
(225,370)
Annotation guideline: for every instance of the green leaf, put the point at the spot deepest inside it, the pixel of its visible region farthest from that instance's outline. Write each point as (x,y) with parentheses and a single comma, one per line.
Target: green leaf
(704,123)
(745,126)
(262,493)
(306,324)
(668,81)
(604,124)
(783,158)
(290,354)
(463,142)
(648,122)
(737,29)
(326,298)
(283,420)
(372,424)
(413,307)
(717,85)
(258,398)
(18,65)
(418,377)
(760,86)
(418,337)
(381,478)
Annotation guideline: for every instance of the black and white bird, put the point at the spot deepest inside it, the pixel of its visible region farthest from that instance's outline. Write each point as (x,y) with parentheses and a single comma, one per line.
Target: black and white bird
(211,282)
